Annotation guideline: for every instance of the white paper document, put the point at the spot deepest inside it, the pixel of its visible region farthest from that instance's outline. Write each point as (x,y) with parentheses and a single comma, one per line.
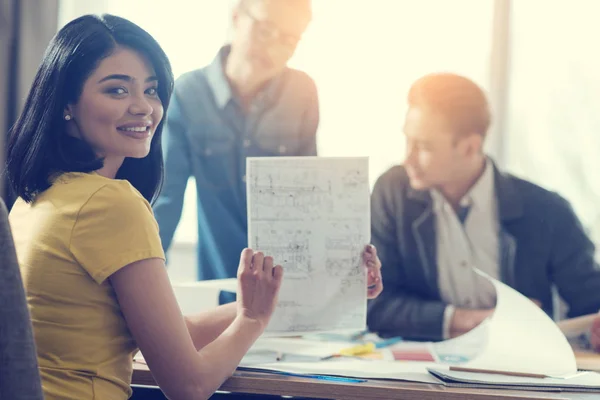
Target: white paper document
(463,348)
(521,337)
(312,214)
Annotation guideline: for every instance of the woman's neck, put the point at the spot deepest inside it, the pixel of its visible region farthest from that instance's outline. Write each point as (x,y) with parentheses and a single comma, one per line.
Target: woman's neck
(111,167)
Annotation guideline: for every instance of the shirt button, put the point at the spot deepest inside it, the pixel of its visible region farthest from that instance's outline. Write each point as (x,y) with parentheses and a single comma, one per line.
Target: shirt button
(282,149)
(464,264)
(468,302)
(243,178)
(208,151)
(247,143)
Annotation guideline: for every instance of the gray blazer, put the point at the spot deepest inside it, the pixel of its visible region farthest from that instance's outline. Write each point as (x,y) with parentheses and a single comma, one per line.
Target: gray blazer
(542,245)
(19,374)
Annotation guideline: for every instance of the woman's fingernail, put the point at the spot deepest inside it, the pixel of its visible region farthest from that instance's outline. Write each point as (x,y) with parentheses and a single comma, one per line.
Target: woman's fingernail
(370,264)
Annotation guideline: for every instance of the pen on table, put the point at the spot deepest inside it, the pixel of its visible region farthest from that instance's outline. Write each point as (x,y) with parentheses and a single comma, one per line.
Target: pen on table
(495,372)
(279,356)
(359,335)
(333,378)
(364,348)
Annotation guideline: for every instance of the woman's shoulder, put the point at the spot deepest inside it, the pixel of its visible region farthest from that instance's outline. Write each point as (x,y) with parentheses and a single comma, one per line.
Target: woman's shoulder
(91,191)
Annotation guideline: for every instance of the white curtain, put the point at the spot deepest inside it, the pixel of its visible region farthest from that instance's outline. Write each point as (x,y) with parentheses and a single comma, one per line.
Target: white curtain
(552,132)
(363,55)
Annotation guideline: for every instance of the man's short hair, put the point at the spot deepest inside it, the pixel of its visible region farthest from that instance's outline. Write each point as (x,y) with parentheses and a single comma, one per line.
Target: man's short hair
(460,100)
(304,3)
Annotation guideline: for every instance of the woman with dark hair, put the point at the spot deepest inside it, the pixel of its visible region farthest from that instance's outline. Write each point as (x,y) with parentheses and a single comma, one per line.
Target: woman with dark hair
(85,160)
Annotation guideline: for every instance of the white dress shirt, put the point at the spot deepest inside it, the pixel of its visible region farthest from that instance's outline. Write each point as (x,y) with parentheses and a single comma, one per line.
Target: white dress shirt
(464,245)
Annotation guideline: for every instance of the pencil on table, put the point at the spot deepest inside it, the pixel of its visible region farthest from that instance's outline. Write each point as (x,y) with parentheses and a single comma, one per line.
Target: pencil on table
(508,373)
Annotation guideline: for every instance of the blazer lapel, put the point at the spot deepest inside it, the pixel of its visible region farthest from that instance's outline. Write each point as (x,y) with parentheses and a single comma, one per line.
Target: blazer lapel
(423,230)
(510,208)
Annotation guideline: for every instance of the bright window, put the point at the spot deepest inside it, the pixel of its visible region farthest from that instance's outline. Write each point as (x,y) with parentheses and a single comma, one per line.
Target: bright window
(553,128)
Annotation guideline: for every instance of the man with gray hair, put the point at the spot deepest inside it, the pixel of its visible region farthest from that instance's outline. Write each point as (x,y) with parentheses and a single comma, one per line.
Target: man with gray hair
(246,103)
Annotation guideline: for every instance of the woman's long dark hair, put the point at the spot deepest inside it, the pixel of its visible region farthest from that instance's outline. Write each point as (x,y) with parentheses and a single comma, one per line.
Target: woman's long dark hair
(38,144)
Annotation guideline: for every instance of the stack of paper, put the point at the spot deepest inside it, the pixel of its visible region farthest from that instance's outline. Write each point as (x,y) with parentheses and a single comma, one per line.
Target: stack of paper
(352,368)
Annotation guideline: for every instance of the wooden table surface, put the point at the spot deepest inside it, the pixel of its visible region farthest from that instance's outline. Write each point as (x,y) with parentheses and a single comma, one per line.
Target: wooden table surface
(281,385)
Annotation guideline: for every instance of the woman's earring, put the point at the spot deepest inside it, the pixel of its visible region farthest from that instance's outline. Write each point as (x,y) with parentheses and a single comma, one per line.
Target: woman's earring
(67,117)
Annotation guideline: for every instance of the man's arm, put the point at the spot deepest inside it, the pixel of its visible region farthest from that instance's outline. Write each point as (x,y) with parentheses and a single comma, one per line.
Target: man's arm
(177,157)
(572,266)
(398,311)
(310,123)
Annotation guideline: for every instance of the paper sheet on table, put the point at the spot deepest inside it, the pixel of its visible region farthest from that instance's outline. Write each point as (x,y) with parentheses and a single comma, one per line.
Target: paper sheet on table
(585,381)
(521,337)
(267,350)
(298,346)
(312,214)
(303,356)
(194,297)
(403,371)
(463,348)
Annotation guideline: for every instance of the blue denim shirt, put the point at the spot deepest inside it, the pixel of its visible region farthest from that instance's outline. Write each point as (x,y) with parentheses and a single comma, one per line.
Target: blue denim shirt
(208,135)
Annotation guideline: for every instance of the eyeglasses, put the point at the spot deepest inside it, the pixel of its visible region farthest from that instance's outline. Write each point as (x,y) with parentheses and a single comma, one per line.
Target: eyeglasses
(266,31)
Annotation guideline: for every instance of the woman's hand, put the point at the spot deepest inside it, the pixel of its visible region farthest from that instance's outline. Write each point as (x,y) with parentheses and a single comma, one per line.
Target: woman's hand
(373,264)
(258,286)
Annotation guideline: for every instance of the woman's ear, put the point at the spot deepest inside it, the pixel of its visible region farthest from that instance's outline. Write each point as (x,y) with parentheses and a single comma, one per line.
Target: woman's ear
(68,113)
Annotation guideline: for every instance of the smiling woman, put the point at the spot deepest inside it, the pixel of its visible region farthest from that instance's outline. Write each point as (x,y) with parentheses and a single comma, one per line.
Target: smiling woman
(85,159)
(117,113)
(70,119)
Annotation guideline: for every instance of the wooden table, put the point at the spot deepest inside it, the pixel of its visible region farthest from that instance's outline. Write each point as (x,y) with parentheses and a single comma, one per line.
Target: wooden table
(587,360)
(281,385)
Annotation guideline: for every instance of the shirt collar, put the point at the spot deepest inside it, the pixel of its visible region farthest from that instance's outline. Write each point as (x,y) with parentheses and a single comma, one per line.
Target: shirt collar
(215,74)
(221,88)
(482,193)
